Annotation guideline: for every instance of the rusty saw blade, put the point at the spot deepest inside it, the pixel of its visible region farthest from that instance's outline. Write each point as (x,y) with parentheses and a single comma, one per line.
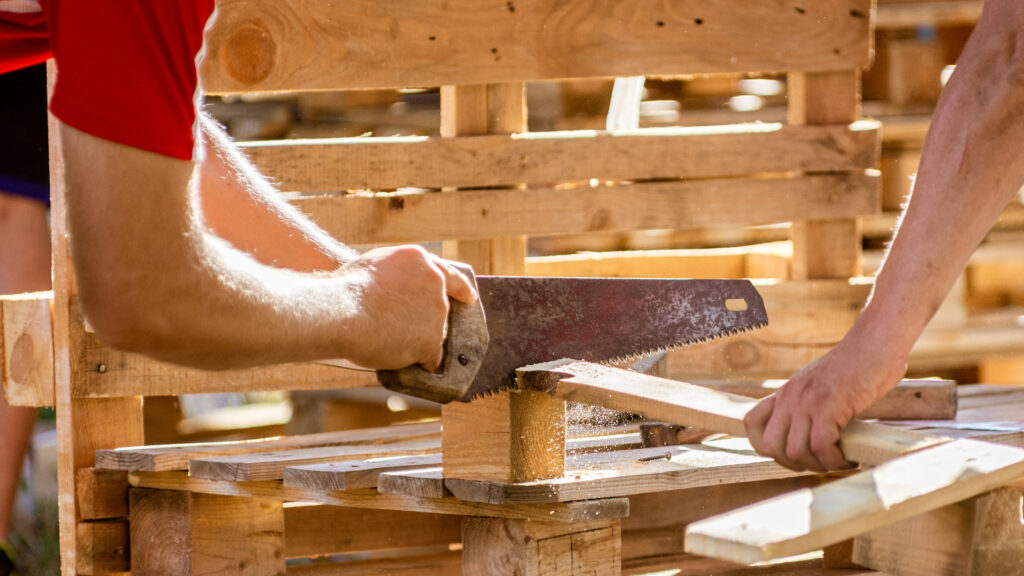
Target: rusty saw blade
(532,320)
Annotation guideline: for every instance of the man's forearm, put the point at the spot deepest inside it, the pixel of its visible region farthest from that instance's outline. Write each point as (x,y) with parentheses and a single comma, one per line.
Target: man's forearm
(239,205)
(971,167)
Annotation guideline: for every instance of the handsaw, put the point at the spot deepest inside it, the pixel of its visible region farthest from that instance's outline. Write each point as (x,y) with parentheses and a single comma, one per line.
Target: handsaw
(518,321)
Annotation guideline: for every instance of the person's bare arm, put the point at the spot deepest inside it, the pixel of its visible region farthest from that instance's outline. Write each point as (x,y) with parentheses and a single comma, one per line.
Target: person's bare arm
(153,280)
(972,165)
(242,207)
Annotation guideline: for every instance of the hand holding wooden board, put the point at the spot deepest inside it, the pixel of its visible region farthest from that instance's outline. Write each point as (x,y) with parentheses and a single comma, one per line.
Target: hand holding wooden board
(918,472)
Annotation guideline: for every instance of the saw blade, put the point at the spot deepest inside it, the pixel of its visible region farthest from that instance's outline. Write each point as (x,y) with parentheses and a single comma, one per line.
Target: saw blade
(533,320)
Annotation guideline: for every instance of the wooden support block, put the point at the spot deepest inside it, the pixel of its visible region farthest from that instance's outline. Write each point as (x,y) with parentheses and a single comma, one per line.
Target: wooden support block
(183,533)
(899,165)
(102,494)
(810,519)
(103,547)
(494,546)
(983,535)
(512,436)
(26,349)
(447,563)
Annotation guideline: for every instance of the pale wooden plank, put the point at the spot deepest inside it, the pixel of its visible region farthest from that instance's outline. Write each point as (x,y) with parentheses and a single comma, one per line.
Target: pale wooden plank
(271,465)
(421,483)
(371,499)
(176,457)
(262,45)
(913,15)
(809,519)
(476,214)
(689,405)
(26,349)
(576,156)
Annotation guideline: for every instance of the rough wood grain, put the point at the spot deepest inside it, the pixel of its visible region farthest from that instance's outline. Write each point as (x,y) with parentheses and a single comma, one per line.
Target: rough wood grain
(103,547)
(159,532)
(809,519)
(355,475)
(447,563)
(389,163)
(271,465)
(502,546)
(102,494)
(421,483)
(261,45)
(236,536)
(26,349)
(321,530)
(176,457)
(476,214)
(371,499)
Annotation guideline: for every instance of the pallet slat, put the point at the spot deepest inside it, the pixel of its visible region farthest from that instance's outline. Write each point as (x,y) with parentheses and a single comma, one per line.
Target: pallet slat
(294,45)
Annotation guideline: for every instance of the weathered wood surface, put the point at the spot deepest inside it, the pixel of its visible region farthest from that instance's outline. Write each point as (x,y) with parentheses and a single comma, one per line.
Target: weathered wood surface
(371,499)
(26,349)
(294,45)
(809,519)
(176,457)
(388,163)
(478,214)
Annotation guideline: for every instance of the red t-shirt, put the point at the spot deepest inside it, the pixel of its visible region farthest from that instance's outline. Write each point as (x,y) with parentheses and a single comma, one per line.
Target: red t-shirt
(126,68)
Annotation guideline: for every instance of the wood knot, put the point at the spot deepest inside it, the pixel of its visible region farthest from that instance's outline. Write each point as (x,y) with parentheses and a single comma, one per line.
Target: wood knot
(599,221)
(740,355)
(22,362)
(249,54)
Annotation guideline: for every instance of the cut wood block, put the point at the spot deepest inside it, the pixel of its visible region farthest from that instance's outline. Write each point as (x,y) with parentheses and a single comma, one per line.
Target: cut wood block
(177,457)
(269,46)
(476,161)
(103,547)
(979,536)
(26,349)
(271,465)
(810,519)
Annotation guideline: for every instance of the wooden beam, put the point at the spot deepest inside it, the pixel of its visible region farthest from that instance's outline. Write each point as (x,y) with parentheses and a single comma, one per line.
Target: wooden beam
(370,499)
(262,45)
(389,163)
(448,563)
(901,488)
(103,547)
(476,214)
(26,349)
(905,15)
(102,494)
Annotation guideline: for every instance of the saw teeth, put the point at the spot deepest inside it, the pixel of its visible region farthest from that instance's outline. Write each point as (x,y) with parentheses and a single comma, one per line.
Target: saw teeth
(632,358)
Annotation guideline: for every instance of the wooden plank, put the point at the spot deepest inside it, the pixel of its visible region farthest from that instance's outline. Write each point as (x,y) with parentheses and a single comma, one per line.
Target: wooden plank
(707,263)
(809,519)
(104,372)
(447,563)
(312,531)
(271,465)
(102,547)
(927,399)
(258,46)
(371,499)
(102,494)
(421,483)
(176,457)
(626,474)
(475,214)
(389,163)
(689,405)
(26,349)
(361,474)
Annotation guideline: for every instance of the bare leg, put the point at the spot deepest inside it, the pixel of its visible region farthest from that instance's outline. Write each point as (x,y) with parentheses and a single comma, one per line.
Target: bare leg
(24,267)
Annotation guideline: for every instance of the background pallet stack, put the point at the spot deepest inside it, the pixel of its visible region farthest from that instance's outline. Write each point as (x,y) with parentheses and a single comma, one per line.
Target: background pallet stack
(448,90)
